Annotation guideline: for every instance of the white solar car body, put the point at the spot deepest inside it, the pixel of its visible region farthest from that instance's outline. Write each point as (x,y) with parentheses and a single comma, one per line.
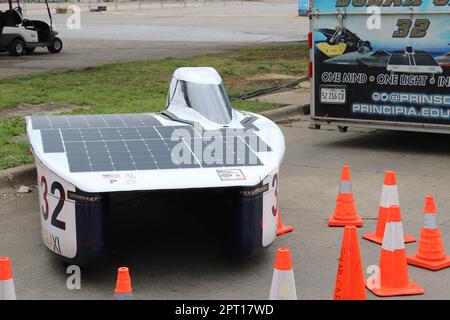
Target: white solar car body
(199,142)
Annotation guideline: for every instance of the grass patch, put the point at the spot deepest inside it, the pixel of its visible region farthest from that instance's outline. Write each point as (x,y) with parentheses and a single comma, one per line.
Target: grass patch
(13,153)
(137,87)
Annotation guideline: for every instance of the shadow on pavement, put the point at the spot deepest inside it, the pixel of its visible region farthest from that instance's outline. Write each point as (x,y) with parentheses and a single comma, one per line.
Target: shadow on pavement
(399,141)
(164,240)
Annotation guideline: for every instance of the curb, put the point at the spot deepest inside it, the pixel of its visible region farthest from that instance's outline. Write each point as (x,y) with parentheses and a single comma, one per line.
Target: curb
(23,175)
(286,112)
(10,178)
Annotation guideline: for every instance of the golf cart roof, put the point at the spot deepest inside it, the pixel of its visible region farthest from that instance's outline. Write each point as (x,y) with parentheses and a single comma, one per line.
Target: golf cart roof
(10,2)
(18,2)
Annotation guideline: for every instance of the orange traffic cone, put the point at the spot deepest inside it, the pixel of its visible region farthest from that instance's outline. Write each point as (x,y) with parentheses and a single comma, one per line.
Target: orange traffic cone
(123,286)
(7,290)
(282,229)
(345,213)
(389,197)
(431,252)
(350,284)
(393,277)
(283,284)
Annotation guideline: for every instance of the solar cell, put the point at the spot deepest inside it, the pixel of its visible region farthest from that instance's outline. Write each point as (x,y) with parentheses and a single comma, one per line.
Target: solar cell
(93,121)
(52,141)
(419,58)
(424,59)
(399,58)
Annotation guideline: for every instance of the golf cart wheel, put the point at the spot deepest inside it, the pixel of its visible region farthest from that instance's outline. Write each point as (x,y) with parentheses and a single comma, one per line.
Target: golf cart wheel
(16,48)
(56,46)
(29,50)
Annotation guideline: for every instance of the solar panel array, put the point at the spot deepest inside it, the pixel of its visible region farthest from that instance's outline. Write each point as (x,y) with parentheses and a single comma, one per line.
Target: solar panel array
(140,142)
(419,58)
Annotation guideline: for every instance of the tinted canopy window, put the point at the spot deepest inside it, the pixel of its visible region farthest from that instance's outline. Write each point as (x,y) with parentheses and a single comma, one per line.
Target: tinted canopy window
(210,100)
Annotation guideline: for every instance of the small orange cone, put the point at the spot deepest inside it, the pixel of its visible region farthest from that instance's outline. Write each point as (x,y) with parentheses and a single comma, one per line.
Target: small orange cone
(393,277)
(389,197)
(345,213)
(282,229)
(123,286)
(283,284)
(431,252)
(350,284)
(7,289)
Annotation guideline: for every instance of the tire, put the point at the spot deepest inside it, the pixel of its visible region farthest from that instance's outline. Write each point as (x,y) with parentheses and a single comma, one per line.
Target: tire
(56,46)
(16,48)
(29,50)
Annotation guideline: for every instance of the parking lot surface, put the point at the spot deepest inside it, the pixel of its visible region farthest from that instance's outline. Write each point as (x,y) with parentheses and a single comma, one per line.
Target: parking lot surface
(156,33)
(171,257)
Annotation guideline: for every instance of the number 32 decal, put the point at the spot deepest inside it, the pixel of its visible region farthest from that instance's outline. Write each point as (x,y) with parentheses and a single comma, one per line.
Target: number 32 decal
(56,186)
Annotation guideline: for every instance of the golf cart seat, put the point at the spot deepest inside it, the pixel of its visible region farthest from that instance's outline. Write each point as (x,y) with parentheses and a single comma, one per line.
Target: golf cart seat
(2,22)
(36,25)
(11,18)
(42,28)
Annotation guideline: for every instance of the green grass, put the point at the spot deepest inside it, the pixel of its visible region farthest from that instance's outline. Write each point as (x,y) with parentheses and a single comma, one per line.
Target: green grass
(138,87)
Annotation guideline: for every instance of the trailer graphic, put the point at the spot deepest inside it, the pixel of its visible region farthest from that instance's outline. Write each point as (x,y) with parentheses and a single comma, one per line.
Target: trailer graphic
(358,71)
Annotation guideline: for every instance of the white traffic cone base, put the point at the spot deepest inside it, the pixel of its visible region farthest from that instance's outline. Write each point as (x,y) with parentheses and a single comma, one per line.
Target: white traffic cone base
(283,285)
(7,290)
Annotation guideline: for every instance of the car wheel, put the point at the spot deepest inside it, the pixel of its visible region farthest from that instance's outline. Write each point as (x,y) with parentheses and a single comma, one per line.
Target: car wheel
(56,46)
(16,48)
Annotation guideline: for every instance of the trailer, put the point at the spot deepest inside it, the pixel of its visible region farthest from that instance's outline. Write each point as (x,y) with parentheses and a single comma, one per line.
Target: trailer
(380,64)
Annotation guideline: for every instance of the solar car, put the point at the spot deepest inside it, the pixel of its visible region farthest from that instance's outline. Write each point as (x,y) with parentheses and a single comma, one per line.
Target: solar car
(198,145)
(412,61)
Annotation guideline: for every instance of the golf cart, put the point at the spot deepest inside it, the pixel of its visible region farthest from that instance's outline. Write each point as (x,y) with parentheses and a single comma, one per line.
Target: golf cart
(19,35)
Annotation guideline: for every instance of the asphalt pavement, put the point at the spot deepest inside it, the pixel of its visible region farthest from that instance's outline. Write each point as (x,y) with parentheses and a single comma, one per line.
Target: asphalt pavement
(169,254)
(172,257)
(156,33)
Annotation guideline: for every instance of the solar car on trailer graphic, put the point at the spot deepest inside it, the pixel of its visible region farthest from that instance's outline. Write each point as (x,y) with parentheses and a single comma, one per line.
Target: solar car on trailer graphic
(84,159)
(413,61)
